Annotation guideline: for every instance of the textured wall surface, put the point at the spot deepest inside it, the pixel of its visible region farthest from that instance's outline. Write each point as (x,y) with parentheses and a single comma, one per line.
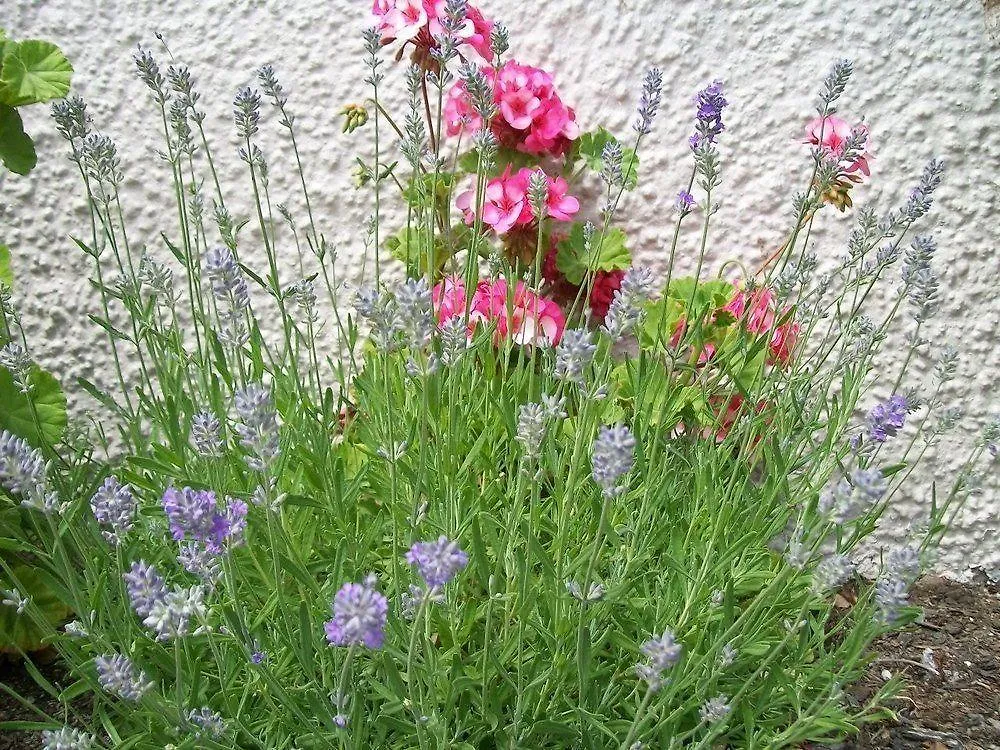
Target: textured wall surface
(927,77)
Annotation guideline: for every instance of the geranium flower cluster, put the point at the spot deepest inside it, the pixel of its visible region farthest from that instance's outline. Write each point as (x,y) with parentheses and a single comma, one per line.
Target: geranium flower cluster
(423,22)
(507,204)
(523,316)
(757,309)
(531,116)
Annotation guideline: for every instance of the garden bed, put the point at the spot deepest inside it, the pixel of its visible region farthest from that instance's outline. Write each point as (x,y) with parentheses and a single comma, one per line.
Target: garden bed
(957,708)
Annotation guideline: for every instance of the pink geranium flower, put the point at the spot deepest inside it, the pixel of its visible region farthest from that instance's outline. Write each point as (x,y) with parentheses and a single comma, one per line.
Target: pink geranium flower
(448,298)
(758,307)
(506,203)
(529,319)
(399,19)
(831,134)
(422,21)
(532,118)
(783,342)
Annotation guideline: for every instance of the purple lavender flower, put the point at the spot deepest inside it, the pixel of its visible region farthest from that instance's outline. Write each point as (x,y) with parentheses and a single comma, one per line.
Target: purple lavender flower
(145,587)
(198,560)
(194,514)
(684,201)
(831,572)
(437,562)
(24,471)
(168,613)
(120,677)
(613,456)
(359,616)
(257,657)
(710,102)
(661,654)
(114,508)
(887,418)
(66,738)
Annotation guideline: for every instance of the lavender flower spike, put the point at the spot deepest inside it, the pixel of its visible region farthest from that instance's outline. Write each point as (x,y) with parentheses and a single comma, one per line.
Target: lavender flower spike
(613,457)
(661,654)
(23,471)
(258,425)
(360,613)
(114,508)
(66,738)
(206,722)
(438,562)
(649,104)
(120,677)
(886,419)
(710,102)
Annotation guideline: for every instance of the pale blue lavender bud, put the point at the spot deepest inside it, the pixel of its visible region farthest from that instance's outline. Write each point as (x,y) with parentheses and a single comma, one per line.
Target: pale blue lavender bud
(715,709)
(891,596)
(229,287)
(257,425)
(246,112)
(919,200)
(438,562)
(531,429)
(834,84)
(158,279)
(24,472)
(904,563)
(72,120)
(612,159)
(626,306)
(144,586)
(649,102)
(661,654)
(148,71)
(574,355)
(206,722)
(114,507)
(727,655)
(99,157)
(832,571)
(206,433)
(303,294)
(118,676)
(14,598)
(416,313)
(200,561)
(612,457)
(538,193)
(454,339)
(359,618)
(66,738)
(499,40)
(173,615)
(947,364)
(14,359)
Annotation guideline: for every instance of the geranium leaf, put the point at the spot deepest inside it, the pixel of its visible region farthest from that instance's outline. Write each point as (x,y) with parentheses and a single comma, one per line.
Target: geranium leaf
(17,631)
(48,399)
(33,71)
(607,253)
(590,147)
(16,148)
(6,272)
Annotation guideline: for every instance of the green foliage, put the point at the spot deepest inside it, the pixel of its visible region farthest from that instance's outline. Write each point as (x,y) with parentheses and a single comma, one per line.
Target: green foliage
(17,151)
(6,269)
(33,71)
(590,148)
(18,632)
(607,252)
(38,416)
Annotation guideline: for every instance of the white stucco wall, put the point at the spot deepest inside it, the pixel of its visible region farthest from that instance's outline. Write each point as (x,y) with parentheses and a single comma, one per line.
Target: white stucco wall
(927,77)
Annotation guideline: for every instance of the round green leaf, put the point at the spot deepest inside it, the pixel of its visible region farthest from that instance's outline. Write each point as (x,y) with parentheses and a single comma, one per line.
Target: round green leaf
(33,71)
(16,414)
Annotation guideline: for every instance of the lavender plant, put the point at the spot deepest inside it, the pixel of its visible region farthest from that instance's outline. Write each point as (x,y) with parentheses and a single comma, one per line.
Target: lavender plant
(530,495)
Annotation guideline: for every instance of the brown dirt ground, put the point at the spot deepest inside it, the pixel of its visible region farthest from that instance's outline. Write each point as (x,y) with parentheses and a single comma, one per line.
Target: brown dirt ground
(956,708)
